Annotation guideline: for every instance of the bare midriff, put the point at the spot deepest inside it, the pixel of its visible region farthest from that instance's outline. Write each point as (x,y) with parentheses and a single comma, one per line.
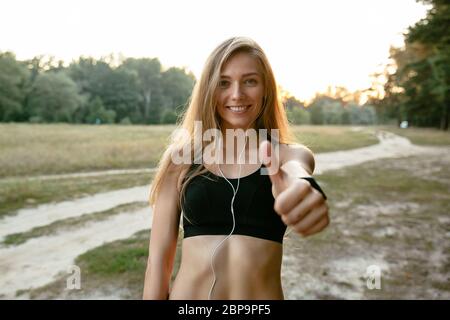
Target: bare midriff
(245,267)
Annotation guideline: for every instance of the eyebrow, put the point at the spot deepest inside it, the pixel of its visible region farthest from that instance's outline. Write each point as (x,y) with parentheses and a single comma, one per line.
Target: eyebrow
(244,75)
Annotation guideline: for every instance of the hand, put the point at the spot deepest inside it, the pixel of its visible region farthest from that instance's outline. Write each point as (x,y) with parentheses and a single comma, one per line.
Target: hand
(299,205)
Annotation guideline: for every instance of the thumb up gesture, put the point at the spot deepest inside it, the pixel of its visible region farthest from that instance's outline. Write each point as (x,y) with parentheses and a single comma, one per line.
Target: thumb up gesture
(299,205)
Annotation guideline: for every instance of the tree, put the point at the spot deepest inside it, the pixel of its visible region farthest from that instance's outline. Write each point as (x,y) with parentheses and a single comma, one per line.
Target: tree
(432,34)
(116,88)
(126,90)
(54,97)
(298,115)
(90,75)
(176,87)
(423,70)
(169,116)
(120,93)
(13,83)
(148,72)
(291,103)
(326,107)
(295,109)
(96,112)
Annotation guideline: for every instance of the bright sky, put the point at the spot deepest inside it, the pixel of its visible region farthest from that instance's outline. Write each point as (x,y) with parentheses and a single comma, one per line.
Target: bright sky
(310,44)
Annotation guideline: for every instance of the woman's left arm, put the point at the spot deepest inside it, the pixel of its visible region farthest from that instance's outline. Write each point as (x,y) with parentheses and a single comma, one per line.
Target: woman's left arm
(300,203)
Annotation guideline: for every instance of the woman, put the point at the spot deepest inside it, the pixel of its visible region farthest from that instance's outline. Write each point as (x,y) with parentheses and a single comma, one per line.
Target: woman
(234,216)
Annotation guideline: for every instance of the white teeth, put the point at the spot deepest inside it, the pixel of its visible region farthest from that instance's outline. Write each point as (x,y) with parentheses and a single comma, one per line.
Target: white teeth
(238,108)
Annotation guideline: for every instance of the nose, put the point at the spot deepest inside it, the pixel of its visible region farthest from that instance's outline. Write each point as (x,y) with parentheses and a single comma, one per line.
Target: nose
(237,91)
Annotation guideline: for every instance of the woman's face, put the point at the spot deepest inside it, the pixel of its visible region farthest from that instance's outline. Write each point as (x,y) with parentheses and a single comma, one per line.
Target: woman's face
(240,92)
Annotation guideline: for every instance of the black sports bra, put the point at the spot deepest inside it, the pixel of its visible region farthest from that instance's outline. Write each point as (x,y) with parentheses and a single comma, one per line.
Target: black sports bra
(207,207)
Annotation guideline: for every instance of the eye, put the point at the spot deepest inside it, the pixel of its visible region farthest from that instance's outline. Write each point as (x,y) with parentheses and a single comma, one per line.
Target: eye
(223,83)
(251,81)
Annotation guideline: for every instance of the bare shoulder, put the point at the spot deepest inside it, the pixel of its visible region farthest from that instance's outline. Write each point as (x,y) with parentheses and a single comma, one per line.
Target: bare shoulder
(167,198)
(175,174)
(298,152)
(174,171)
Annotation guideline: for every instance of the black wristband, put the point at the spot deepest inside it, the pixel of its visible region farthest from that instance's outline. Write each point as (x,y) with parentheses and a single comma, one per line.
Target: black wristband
(315,185)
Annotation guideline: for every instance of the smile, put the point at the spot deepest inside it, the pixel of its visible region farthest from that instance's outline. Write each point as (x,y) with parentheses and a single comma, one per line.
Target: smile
(238,109)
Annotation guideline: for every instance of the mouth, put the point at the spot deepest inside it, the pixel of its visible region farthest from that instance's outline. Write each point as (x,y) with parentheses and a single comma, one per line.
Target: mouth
(239,109)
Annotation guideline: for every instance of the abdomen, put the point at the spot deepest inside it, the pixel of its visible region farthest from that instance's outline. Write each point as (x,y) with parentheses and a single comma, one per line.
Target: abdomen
(245,268)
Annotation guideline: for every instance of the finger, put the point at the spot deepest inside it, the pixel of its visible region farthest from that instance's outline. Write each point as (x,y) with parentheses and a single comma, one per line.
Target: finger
(319,226)
(269,156)
(291,197)
(301,210)
(311,219)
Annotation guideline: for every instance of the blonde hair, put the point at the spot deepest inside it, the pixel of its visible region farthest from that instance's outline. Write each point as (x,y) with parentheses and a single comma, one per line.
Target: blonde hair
(202,107)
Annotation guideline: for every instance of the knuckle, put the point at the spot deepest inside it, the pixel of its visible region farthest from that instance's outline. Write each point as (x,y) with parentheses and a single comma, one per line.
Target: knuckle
(279,207)
(301,185)
(316,199)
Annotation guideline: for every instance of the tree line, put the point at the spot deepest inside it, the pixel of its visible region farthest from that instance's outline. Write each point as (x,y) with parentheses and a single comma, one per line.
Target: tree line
(413,87)
(336,106)
(43,90)
(91,90)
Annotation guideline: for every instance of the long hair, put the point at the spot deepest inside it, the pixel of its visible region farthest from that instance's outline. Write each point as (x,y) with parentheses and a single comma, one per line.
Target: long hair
(202,107)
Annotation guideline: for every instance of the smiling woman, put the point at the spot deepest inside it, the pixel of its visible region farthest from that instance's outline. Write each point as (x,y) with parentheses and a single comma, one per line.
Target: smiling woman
(234,214)
(241,92)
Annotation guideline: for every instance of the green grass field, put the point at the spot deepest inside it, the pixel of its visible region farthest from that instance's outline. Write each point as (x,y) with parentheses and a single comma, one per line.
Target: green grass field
(40,149)
(31,150)
(334,138)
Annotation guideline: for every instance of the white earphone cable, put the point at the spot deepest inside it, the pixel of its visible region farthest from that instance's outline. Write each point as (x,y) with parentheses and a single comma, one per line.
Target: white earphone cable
(232,213)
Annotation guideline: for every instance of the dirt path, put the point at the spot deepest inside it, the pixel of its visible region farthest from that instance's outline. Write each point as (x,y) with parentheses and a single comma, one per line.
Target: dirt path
(37,261)
(27,219)
(390,146)
(84,174)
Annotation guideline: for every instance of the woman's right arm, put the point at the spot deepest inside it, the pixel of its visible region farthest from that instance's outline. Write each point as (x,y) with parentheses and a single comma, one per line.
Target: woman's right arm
(163,238)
